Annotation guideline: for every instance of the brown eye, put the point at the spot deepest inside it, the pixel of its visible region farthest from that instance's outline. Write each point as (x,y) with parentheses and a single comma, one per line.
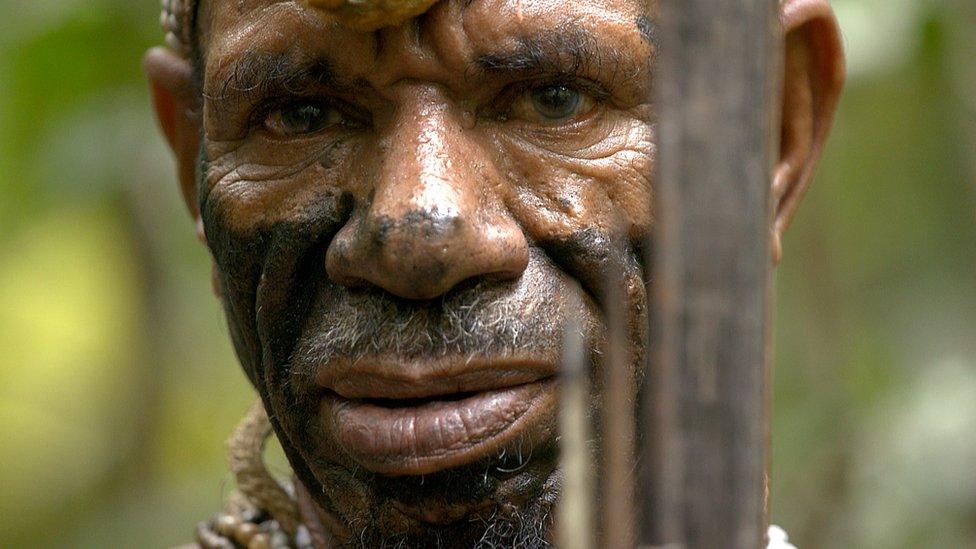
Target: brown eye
(553,104)
(305,117)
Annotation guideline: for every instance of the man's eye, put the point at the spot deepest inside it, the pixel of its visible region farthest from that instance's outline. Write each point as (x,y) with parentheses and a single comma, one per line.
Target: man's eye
(302,118)
(553,104)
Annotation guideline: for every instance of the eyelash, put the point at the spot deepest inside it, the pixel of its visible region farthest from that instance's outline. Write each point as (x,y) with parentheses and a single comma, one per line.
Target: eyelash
(505,99)
(594,89)
(258,116)
(502,102)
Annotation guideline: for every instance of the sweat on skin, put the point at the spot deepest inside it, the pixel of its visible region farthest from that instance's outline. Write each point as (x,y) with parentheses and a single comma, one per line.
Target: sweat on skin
(402,220)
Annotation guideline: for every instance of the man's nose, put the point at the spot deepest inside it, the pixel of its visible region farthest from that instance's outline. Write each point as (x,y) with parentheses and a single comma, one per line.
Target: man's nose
(435,219)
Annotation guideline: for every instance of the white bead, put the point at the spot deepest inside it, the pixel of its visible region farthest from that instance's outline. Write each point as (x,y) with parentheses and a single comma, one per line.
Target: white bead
(778,538)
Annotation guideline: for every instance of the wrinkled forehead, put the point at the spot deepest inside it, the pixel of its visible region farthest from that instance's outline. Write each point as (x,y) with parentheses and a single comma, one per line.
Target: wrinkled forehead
(455,28)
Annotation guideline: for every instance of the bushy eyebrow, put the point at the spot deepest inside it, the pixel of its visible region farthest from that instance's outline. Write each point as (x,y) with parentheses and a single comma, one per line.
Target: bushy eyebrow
(548,52)
(572,51)
(569,51)
(260,74)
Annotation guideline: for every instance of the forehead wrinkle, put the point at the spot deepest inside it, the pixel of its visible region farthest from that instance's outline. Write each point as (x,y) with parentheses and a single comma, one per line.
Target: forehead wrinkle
(208,12)
(240,28)
(226,49)
(431,47)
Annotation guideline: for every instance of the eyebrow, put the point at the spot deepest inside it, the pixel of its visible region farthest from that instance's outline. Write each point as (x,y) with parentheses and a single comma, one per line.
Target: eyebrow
(260,74)
(568,51)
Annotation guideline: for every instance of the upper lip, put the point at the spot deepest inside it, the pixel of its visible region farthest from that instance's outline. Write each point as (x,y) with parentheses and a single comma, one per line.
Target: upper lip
(400,380)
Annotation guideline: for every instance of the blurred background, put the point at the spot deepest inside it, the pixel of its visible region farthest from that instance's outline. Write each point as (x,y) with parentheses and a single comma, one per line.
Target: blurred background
(118,385)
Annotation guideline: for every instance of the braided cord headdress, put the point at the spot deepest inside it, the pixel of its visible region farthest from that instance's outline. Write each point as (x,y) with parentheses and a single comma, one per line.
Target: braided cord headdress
(176,18)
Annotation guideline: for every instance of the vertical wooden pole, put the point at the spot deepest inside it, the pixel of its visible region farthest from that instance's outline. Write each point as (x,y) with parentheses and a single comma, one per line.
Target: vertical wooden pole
(718,79)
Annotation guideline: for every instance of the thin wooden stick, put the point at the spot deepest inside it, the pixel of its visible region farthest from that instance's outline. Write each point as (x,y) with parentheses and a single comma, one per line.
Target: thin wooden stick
(618,455)
(575,510)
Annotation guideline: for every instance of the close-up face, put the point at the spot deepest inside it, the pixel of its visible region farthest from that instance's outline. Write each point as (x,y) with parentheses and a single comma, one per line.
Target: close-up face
(404,221)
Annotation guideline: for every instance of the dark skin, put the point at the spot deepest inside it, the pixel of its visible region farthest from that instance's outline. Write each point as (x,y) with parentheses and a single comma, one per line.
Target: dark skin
(402,220)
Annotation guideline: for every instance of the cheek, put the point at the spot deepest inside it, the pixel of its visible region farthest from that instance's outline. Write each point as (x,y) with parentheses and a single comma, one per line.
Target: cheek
(259,185)
(604,186)
(260,214)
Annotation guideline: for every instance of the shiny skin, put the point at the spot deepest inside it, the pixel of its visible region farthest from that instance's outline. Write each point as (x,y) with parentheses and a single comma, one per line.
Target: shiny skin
(367,15)
(399,221)
(442,176)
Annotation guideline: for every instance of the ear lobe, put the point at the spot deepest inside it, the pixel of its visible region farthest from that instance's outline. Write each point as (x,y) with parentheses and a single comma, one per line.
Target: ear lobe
(177,105)
(813,79)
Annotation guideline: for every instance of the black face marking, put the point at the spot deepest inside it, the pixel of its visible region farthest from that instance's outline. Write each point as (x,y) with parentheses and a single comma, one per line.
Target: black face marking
(422,224)
(591,256)
(283,253)
(648,30)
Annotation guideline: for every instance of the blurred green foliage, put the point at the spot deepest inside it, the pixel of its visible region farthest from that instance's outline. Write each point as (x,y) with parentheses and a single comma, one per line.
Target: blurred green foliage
(118,385)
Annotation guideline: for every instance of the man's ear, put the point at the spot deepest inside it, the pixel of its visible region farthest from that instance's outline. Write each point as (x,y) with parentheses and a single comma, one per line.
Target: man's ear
(177,104)
(814,76)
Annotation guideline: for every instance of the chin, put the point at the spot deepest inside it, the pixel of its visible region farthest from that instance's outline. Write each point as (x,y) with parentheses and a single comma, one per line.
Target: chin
(505,500)
(452,460)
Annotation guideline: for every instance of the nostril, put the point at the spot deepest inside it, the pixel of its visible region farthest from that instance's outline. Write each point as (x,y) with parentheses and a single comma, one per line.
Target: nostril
(340,261)
(350,282)
(425,252)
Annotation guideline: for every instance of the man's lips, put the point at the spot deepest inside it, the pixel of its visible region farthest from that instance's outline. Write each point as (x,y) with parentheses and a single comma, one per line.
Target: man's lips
(417,419)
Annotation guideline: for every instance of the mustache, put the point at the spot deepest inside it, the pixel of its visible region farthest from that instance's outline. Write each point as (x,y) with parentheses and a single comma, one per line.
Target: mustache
(480,317)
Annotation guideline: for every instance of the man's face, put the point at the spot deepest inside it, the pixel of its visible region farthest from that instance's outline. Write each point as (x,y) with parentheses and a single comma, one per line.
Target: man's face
(403,221)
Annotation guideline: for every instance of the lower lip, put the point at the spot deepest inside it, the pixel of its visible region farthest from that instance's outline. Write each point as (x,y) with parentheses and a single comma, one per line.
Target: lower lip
(436,435)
